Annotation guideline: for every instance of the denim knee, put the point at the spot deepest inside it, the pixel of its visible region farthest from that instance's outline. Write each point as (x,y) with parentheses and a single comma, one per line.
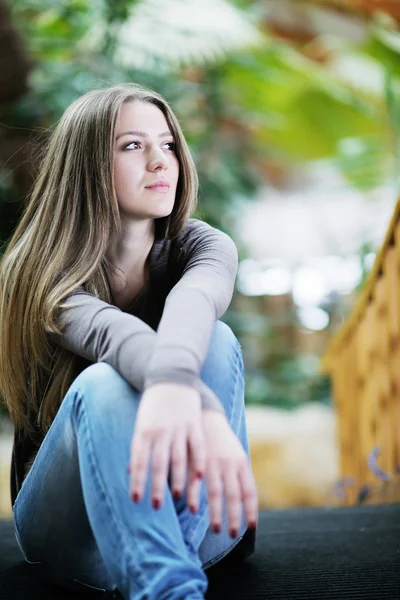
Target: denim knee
(222,370)
(105,391)
(223,338)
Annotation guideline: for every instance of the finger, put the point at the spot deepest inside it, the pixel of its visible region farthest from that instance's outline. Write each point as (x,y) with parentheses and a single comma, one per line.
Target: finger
(179,462)
(249,495)
(139,464)
(193,491)
(233,498)
(159,468)
(214,493)
(197,450)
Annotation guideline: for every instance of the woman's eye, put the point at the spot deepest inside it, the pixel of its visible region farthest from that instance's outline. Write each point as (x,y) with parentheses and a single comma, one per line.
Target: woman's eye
(135,145)
(131,145)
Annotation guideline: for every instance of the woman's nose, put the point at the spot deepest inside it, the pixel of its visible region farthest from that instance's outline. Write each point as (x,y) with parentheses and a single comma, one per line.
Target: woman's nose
(157,160)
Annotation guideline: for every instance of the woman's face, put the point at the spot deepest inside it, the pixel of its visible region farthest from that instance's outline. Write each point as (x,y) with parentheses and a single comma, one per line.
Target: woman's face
(146,168)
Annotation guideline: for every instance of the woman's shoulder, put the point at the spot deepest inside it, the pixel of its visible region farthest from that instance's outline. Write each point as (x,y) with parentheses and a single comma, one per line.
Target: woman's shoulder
(196,227)
(198,231)
(202,244)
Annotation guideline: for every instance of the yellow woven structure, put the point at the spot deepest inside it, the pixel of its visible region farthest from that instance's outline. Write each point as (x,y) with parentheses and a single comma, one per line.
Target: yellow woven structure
(363,360)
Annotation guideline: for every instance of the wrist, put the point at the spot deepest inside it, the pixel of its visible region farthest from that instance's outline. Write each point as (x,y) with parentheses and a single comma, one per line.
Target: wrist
(170,385)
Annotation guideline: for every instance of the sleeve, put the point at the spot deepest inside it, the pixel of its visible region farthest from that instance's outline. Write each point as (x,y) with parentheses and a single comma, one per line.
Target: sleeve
(200,297)
(101,332)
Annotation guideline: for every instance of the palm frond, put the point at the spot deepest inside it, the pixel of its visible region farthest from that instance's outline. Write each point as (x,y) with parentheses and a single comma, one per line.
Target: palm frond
(173,33)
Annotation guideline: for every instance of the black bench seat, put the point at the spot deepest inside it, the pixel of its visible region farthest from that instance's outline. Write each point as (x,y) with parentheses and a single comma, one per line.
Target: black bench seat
(302,554)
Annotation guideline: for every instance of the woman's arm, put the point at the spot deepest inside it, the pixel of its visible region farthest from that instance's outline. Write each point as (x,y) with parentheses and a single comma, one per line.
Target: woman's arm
(194,304)
(101,332)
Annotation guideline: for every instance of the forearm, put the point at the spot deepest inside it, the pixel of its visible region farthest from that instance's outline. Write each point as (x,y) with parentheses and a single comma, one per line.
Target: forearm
(183,337)
(100,332)
(192,307)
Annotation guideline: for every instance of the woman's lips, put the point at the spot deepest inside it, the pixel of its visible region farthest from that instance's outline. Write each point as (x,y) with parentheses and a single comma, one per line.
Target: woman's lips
(159,186)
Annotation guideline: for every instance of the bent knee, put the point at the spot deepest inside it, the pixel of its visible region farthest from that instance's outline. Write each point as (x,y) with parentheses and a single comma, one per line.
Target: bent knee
(100,373)
(102,384)
(223,341)
(223,365)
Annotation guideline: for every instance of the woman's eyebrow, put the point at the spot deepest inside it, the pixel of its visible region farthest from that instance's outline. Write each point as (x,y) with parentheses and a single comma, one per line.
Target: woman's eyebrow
(143,134)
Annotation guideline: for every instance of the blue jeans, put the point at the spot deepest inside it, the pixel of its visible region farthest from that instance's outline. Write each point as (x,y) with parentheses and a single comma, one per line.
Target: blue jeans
(73,516)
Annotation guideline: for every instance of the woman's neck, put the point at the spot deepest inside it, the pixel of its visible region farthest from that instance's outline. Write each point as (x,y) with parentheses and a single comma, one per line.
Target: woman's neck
(129,252)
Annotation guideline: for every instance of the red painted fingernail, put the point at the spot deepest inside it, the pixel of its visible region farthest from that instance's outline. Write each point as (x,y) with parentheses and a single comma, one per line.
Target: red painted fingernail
(216,528)
(156,503)
(192,508)
(233,533)
(199,475)
(176,494)
(252,525)
(136,497)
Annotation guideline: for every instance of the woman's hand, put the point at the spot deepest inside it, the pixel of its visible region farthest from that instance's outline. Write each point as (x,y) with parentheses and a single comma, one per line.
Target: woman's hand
(227,470)
(168,426)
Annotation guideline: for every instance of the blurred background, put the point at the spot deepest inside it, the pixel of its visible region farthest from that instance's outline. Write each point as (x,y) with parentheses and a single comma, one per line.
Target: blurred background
(291,110)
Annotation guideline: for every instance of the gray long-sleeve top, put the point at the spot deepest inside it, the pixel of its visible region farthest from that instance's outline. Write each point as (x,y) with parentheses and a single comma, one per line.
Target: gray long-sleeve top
(192,280)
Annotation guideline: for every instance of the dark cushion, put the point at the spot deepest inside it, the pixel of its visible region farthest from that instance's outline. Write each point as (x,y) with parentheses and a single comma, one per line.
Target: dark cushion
(302,554)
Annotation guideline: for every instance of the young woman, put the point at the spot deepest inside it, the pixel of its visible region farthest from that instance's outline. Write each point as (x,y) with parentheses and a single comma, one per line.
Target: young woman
(130,466)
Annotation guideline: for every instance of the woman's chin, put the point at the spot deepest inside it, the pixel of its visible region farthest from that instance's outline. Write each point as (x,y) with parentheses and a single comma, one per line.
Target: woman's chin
(163,211)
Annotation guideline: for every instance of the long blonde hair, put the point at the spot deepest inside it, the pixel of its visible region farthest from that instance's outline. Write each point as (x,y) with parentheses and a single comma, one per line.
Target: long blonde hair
(60,245)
